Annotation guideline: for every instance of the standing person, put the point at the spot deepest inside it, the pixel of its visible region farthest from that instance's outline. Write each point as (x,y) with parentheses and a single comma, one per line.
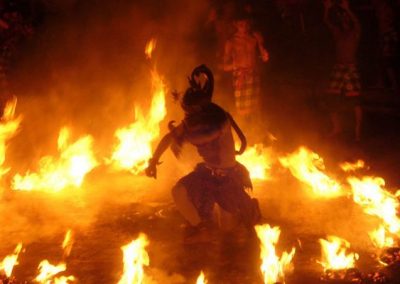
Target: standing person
(389,41)
(241,56)
(344,86)
(219,179)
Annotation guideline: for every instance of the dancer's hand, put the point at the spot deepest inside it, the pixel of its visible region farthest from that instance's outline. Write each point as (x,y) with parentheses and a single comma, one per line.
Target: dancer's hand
(151,170)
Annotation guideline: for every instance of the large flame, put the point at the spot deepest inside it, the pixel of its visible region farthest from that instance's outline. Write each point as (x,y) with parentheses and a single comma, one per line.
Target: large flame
(273,268)
(307,166)
(334,255)
(371,195)
(134,148)
(201,279)
(69,169)
(8,263)
(48,271)
(258,161)
(8,127)
(135,257)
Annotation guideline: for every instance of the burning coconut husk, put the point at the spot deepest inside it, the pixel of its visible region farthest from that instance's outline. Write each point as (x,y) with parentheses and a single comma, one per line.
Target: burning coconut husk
(337,263)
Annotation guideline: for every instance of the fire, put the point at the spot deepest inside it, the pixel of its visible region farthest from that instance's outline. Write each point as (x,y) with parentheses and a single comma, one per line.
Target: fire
(150,46)
(380,239)
(74,162)
(334,256)
(134,148)
(307,166)
(350,167)
(273,267)
(201,279)
(8,263)
(48,271)
(67,243)
(258,161)
(370,194)
(135,257)
(8,127)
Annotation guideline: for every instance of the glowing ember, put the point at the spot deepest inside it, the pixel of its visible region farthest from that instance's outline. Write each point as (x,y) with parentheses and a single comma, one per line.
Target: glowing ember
(150,46)
(307,166)
(273,267)
(350,167)
(134,148)
(135,257)
(67,243)
(334,255)
(75,161)
(8,127)
(370,194)
(48,271)
(258,161)
(201,279)
(8,263)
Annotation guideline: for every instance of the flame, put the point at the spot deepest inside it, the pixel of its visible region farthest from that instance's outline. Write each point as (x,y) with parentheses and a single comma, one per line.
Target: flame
(8,263)
(350,167)
(273,267)
(201,279)
(258,161)
(67,243)
(134,148)
(8,127)
(380,238)
(135,257)
(75,161)
(370,194)
(48,271)
(150,46)
(334,255)
(307,166)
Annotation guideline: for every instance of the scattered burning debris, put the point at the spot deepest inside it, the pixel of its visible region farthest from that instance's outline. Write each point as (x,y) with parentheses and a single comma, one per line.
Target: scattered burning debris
(273,267)
(337,263)
(135,258)
(7,265)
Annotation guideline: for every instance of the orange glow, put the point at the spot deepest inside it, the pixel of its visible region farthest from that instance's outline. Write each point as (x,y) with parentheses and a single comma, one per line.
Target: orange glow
(258,161)
(201,279)
(272,267)
(135,141)
(67,243)
(48,271)
(8,263)
(135,257)
(308,167)
(334,256)
(150,46)
(68,170)
(8,127)
(351,167)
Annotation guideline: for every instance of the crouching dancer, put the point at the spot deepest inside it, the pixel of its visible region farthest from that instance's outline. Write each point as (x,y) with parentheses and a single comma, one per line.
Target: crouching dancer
(219,179)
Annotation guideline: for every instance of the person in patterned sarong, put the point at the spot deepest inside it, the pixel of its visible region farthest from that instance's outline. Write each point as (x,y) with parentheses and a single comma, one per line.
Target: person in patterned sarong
(241,55)
(344,87)
(218,180)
